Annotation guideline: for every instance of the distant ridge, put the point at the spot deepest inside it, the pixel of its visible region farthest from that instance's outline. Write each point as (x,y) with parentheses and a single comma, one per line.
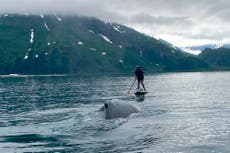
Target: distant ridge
(209,46)
(218,58)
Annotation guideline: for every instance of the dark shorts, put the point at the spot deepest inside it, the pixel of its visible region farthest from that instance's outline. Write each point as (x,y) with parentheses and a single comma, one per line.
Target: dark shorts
(140,79)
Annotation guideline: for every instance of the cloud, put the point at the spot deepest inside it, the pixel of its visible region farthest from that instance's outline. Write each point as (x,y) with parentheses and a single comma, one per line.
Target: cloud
(223,16)
(143,18)
(47,6)
(193,20)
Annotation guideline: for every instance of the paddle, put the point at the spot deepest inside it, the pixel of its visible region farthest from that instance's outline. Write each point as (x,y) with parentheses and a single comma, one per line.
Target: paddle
(128,93)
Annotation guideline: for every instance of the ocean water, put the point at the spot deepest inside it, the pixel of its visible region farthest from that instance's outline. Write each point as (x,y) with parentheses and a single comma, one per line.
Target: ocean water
(182,113)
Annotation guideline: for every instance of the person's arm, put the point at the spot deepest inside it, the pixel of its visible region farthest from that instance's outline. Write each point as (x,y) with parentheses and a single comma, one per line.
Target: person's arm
(135,75)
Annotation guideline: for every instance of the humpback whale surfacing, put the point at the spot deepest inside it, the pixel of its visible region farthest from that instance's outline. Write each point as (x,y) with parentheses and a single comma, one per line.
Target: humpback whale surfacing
(118,109)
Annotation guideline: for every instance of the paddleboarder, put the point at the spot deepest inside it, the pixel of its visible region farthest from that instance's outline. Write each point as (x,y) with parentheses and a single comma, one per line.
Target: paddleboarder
(139,76)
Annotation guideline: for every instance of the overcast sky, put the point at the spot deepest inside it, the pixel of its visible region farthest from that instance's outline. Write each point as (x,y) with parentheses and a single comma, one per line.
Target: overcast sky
(181,22)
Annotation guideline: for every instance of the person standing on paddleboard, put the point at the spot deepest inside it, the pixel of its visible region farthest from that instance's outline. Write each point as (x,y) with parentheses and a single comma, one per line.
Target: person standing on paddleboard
(139,76)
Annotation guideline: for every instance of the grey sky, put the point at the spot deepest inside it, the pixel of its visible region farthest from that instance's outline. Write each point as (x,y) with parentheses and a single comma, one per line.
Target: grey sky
(181,22)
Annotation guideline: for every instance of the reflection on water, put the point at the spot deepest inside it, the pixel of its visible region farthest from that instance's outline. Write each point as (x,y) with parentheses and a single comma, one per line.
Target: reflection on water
(182,112)
(140,98)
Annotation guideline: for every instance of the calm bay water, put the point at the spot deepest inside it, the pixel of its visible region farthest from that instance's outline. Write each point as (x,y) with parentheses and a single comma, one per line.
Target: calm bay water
(183,112)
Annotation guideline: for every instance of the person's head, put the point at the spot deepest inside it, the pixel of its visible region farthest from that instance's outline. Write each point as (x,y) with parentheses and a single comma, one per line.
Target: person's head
(138,68)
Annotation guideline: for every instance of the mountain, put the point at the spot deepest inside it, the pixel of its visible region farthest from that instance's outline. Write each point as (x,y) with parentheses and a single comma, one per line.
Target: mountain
(210,46)
(196,50)
(47,44)
(217,58)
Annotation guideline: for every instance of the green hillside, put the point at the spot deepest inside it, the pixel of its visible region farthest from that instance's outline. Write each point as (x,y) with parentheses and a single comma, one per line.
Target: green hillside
(217,58)
(48,44)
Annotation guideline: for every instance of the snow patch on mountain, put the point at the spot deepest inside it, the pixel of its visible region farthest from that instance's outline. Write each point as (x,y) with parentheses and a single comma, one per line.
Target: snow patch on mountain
(46,26)
(31,36)
(26,56)
(218,45)
(91,31)
(42,16)
(141,53)
(80,43)
(103,53)
(93,49)
(116,27)
(106,38)
(58,18)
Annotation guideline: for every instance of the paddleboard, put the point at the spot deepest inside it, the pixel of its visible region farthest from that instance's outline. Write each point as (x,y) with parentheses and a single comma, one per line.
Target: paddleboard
(140,92)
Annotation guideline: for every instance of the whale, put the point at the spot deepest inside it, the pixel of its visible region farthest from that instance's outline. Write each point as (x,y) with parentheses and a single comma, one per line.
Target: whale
(118,109)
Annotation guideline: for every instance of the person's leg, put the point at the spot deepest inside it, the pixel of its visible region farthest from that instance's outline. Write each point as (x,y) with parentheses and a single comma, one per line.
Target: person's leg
(142,83)
(138,84)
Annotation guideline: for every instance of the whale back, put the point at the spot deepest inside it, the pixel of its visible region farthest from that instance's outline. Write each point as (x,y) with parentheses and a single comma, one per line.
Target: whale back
(118,109)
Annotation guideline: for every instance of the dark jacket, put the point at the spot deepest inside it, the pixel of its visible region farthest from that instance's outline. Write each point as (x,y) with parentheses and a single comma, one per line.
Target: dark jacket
(139,74)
